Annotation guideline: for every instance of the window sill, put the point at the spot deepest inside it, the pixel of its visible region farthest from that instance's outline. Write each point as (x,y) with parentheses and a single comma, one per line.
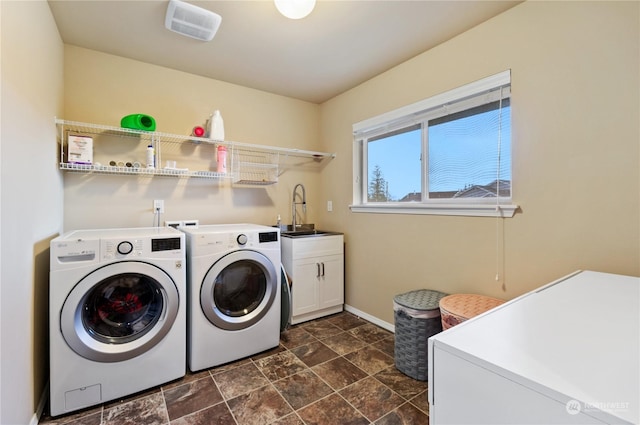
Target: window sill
(475,210)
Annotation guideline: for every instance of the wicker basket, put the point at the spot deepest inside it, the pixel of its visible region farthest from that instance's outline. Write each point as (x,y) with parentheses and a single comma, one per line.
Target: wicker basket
(417,317)
(457,308)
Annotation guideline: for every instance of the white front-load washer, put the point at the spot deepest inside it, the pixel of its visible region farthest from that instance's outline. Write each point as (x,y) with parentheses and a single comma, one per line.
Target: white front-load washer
(117,310)
(233,285)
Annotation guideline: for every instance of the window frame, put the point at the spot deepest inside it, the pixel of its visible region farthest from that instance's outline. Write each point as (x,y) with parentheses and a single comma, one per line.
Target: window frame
(462,98)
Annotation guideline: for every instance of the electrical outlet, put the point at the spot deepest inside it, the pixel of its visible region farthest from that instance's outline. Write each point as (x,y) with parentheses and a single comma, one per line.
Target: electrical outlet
(329,206)
(158,206)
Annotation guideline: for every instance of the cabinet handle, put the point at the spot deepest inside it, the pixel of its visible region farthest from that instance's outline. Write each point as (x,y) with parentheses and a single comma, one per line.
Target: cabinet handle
(322,269)
(318,269)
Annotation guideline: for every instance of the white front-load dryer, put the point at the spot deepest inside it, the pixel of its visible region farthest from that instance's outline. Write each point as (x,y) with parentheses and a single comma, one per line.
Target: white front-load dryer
(117,310)
(233,285)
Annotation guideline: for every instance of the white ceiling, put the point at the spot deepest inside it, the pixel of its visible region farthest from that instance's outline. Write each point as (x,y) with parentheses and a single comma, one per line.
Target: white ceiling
(338,46)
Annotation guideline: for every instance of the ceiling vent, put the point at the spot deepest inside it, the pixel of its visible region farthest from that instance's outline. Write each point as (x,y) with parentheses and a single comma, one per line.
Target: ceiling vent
(192,21)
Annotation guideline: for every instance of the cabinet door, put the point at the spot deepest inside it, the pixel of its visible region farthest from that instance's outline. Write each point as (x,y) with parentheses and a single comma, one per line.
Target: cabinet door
(331,281)
(304,286)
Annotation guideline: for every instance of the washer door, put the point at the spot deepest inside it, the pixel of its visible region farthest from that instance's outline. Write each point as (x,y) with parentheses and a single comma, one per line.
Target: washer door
(119,311)
(238,290)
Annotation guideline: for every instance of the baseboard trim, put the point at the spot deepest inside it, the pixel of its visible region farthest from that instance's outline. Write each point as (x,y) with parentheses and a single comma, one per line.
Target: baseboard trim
(35,419)
(370,318)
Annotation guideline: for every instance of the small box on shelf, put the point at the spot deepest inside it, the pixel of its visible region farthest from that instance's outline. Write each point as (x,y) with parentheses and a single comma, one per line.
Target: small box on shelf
(79,149)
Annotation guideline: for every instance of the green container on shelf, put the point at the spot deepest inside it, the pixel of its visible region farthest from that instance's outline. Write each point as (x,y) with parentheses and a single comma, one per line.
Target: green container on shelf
(138,122)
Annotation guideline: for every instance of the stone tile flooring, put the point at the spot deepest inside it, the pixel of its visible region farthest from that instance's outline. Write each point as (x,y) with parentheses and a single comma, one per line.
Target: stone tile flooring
(336,370)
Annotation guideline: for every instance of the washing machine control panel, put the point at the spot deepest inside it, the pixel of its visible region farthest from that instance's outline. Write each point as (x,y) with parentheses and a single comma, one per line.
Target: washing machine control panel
(73,252)
(242,239)
(125,247)
(118,248)
(149,247)
(165,244)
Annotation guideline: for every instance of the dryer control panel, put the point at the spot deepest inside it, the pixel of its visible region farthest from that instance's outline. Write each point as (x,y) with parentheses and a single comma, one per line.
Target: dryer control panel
(264,237)
(209,243)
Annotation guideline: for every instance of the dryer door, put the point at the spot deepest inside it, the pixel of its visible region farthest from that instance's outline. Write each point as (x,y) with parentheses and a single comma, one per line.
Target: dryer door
(239,289)
(119,311)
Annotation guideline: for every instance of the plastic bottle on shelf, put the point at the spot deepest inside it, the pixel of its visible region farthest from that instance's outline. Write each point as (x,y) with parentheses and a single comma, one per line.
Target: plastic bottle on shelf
(222,159)
(207,126)
(151,160)
(216,126)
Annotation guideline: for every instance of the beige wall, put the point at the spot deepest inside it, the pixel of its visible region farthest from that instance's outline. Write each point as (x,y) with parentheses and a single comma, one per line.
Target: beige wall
(31,199)
(575,158)
(101,89)
(575,138)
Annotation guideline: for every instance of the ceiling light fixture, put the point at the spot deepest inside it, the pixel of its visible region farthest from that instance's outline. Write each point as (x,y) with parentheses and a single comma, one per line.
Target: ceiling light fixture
(295,9)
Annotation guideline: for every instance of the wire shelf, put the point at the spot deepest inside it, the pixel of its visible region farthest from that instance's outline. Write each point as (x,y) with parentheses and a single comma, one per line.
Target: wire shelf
(254,167)
(250,163)
(139,171)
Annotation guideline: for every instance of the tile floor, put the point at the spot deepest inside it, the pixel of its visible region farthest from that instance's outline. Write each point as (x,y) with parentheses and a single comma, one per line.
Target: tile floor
(336,370)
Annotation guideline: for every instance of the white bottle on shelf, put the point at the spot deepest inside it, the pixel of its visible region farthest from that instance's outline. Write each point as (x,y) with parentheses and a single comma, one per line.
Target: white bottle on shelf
(151,157)
(216,126)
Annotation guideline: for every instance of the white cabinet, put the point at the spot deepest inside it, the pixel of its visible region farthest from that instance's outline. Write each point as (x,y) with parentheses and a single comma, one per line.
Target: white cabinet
(566,353)
(316,267)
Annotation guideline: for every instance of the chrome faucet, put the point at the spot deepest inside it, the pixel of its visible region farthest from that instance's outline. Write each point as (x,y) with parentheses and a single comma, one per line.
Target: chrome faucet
(294,203)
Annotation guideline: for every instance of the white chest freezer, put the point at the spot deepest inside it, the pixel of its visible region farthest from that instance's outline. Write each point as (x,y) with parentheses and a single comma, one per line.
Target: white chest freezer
(567,353)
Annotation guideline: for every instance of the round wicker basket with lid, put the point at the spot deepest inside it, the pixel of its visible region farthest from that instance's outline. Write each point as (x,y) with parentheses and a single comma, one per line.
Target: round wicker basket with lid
(457,308)
(417,317)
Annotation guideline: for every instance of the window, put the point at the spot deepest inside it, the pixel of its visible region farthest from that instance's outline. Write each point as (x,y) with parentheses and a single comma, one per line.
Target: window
(449,154)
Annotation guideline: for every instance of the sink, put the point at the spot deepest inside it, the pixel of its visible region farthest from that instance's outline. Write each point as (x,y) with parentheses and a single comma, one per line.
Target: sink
(306,233)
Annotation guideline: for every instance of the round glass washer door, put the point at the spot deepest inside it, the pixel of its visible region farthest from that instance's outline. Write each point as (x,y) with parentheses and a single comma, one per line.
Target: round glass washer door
(119,311)
(238,290)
